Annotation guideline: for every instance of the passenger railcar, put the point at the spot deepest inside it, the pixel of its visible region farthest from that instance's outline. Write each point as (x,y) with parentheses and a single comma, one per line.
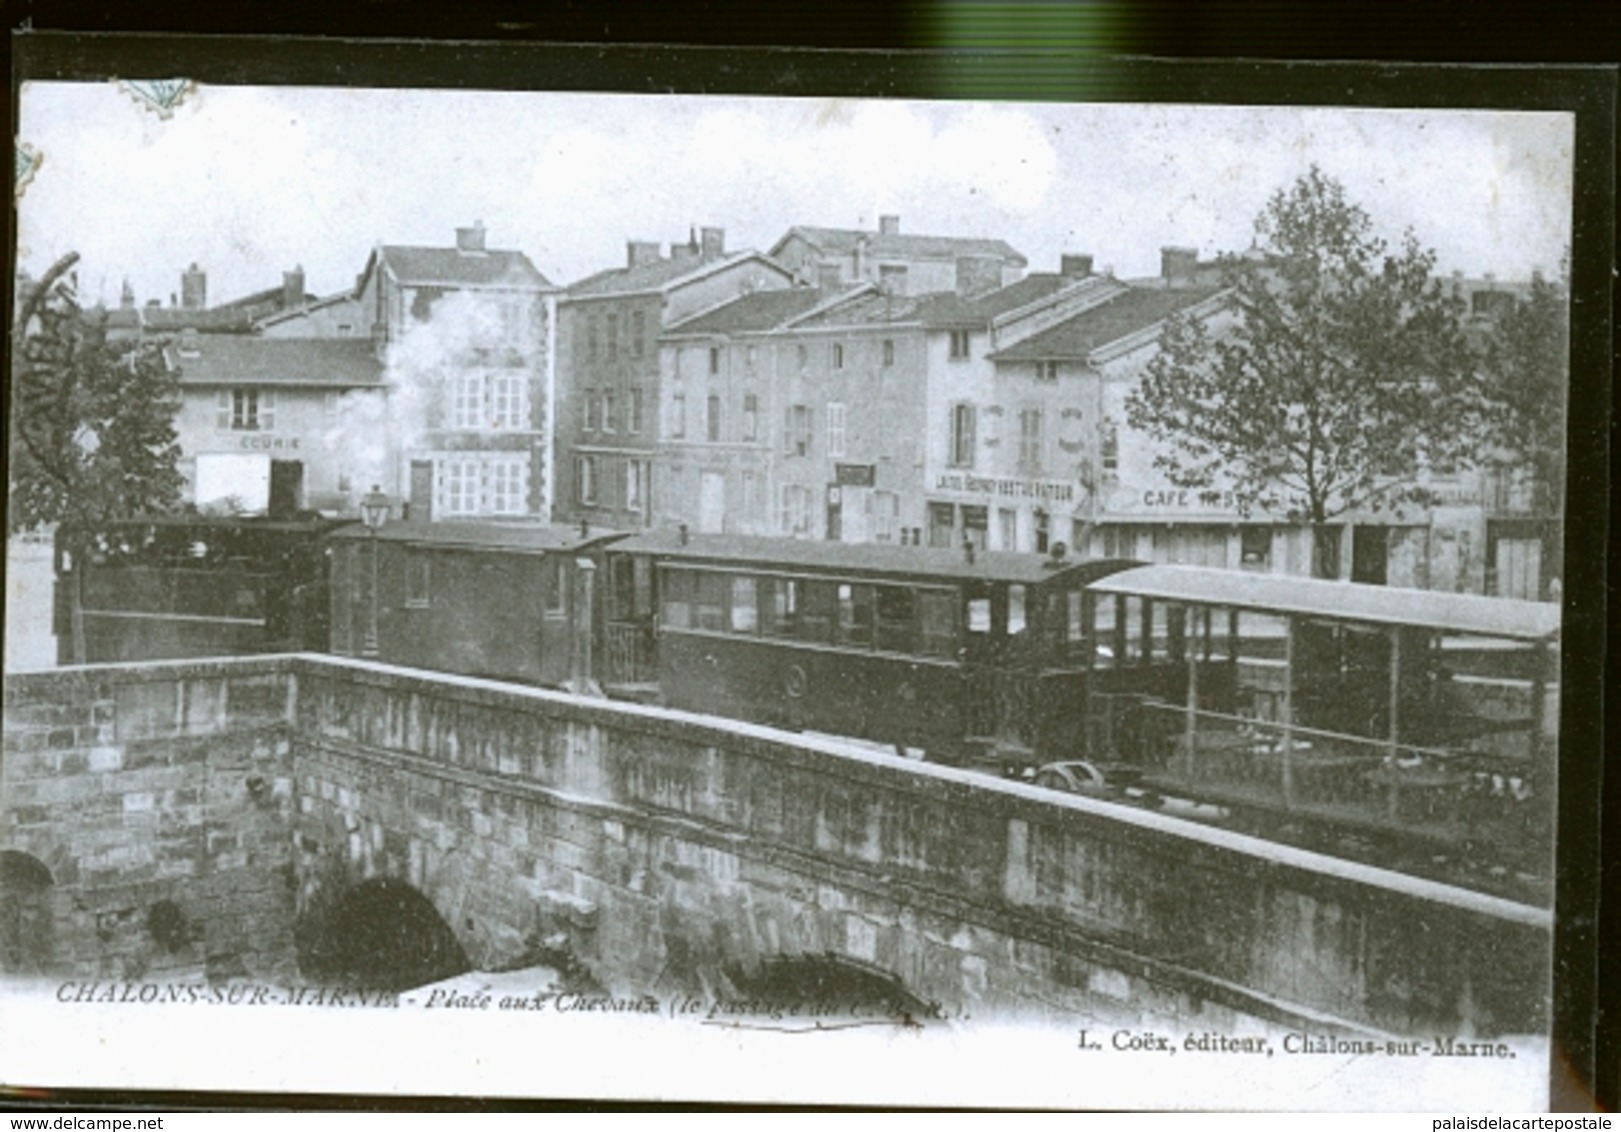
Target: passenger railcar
(189,586)
(965,656)
(508,601)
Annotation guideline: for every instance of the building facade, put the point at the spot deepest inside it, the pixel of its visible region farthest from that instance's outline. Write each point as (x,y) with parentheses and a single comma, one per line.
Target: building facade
(609,374)
(841,257)
(467,338)
(277,426)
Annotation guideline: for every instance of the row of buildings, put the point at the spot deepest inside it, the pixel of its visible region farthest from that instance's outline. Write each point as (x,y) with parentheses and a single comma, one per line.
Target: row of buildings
(845,385)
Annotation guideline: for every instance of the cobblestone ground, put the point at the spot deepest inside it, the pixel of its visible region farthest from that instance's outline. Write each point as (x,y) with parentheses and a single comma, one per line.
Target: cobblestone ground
(29,643)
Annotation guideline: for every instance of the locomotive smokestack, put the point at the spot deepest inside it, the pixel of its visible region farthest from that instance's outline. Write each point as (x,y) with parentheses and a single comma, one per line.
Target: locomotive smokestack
(968,551)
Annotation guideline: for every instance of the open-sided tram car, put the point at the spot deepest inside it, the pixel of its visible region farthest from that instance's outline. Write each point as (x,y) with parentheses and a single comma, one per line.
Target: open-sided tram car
(964,656)
(1397,715)
(157,589)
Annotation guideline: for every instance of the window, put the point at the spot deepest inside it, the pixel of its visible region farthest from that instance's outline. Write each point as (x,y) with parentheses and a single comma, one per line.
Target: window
(638,332)
(1255,547)
(835,429)
(613,336)
(556,587)
(637,474)
(838,355)
(1015,609)
(510,321)
(608,408)
(748,356)
(781,606)
(714,359)
(799,430)
(959,345)
(507,396)
(896,616)
(418,594)
(1111,450)
(712,418)
(459,481)
(796,509)
(745,607)
(505,488)
(750,496)
(883,508)
(1030,441)
(710,609)
(804,356)
(937,618)
(591,406)
(1046,371)
(855,615)
(246,410)
(942,523)
(751,417)
(591,337)
(962,436)
(634,426)
(889,351)
(585,479)
(678,416)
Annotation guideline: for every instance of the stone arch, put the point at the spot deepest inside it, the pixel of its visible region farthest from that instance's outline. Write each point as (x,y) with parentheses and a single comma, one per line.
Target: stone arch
(380,934)
(829,985)
(27,914)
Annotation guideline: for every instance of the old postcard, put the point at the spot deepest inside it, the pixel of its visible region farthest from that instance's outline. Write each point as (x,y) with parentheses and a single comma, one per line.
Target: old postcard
(793,596)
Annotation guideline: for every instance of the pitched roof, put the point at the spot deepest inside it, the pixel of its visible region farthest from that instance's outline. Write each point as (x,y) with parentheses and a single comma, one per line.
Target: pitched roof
(882,245)
(309,305)
(1078,336)
(167,320)
(763,310)
(473,534)
(937,309)
(658,274)
(330,363)
(450,267)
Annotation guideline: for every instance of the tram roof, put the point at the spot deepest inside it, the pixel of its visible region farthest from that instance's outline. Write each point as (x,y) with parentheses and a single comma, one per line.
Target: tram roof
(1339,601)
(860,558)
(471,535)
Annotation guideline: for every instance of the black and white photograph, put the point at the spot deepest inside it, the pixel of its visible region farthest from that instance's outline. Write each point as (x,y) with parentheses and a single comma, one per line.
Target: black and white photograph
(806,599)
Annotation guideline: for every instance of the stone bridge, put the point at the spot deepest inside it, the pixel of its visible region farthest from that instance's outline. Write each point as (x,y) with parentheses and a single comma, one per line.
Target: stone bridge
(221,817)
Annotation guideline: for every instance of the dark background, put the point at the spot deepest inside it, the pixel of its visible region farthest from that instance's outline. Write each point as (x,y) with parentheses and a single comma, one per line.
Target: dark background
(1081,51)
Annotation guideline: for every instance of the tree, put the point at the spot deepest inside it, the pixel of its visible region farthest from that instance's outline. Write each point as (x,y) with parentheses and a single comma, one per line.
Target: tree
(1526,377)
(1342,381)
(92,424)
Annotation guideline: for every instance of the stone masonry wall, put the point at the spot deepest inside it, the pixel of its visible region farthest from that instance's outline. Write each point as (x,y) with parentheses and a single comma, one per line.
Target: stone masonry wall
(159,799)
(669,850)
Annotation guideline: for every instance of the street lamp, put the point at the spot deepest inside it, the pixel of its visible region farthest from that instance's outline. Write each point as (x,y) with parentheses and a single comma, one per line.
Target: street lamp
(374,513)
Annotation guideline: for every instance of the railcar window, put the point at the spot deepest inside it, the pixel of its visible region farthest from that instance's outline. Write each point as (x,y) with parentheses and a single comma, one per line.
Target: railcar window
(556,583)
(818,609)
(979,615)
(713,596)
(1015,609)
(1074,627)
(1133,617)
(937,615)
(745,610)
(679,590)
(779,599)
(897,612)
(854,625)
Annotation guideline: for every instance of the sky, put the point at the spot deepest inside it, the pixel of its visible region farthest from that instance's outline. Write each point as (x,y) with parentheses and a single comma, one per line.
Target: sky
(249,182)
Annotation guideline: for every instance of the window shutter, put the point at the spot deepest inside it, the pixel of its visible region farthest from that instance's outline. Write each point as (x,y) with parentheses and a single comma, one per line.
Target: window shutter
(222,419)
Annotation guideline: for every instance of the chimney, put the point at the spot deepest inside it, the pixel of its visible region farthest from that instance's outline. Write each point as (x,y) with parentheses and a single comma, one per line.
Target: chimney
(889,225)
(829,278)
(1074,265)
(194,288)
(713,245)
(977,274)
(1177,265)
(126,299)
(638,253)
(470,241)
(292,287)
(683,253)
